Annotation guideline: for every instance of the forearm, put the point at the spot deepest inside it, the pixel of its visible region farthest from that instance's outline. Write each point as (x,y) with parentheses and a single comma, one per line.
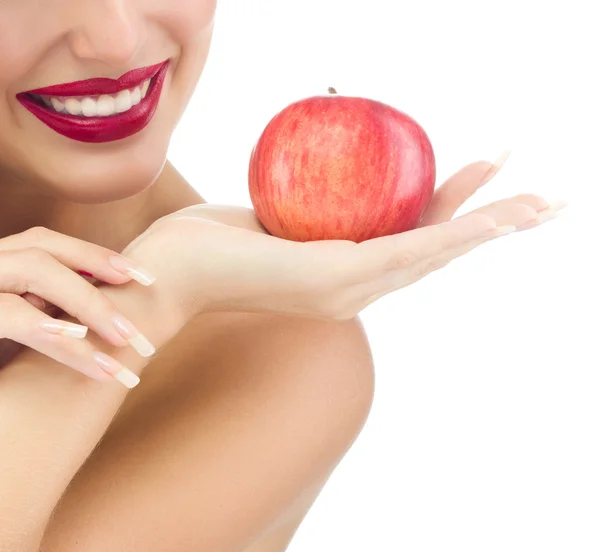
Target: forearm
(52,417)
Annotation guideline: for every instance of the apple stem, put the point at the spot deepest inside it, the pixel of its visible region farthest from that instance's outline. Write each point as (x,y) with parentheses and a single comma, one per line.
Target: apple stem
(332,90)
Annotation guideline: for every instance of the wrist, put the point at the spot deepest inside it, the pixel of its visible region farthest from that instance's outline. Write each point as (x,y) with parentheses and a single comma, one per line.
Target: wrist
(174,292)
(153,309)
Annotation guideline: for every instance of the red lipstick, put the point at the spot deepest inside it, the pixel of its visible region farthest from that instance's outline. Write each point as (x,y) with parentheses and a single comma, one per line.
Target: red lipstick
(99,129)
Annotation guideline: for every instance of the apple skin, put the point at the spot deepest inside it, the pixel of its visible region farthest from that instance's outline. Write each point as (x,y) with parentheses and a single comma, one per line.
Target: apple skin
(341,168)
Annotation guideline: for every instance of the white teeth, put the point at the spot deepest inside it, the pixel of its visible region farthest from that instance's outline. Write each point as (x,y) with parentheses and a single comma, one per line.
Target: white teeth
(73,106)
(136,95)
(57,105)
(99,106)
(123,101)
(106,106)
(89,107)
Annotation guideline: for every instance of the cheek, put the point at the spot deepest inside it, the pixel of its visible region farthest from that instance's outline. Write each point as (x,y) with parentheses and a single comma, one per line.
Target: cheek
(26,40)
(18,48)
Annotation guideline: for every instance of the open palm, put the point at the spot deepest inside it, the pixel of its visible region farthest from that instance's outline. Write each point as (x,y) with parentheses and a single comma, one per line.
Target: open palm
(212,259)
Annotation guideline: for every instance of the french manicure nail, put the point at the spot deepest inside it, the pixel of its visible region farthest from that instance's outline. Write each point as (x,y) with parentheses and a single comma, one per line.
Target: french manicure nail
(546,215)
(137,273)
(504,230)
(67,329)
(133,336)
(495,168)
(116,370)
(551,212)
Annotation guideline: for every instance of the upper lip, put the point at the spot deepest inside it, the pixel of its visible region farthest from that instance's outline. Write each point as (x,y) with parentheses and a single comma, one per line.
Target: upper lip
(99,86)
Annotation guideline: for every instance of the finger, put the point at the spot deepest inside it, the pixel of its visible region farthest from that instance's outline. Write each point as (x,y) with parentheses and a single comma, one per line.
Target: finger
(34,300)
(90,259)
(399,251)
(37,272)
(509,212)
(533,210)
(546,214)
(535,202)
(25,326)
(393,281)
(396,280)
(451,195)
(39,303)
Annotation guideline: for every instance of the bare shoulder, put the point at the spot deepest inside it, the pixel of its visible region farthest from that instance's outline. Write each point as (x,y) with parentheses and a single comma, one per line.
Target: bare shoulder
(295,347)
(253,354)
(240,413)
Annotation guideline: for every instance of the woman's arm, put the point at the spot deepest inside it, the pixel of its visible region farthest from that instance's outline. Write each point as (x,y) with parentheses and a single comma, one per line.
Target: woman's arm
(51,417)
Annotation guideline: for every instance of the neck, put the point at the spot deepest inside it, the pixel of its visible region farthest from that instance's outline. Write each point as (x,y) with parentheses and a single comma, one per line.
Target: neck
(112,225)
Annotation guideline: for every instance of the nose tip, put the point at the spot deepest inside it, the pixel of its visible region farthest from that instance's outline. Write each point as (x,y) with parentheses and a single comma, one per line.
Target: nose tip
(110,35)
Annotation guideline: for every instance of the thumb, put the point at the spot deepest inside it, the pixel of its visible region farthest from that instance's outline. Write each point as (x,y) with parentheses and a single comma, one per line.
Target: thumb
(35,300)
(40,304)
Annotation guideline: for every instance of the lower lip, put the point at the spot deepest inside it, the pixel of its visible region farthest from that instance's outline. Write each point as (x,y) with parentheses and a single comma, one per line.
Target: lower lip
(98,130)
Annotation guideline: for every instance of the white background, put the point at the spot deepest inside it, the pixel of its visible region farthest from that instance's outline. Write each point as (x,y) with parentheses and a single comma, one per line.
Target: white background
(485,429)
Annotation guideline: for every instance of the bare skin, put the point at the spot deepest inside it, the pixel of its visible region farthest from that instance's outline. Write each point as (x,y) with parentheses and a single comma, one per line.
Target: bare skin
(229,450)
(308,391)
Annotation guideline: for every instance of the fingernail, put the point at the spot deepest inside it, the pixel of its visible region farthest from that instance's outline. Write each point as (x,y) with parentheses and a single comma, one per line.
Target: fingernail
(137,273)
(504,230)
(551,212)
(85,273)
(67,329)
(545,216)
(495,168)
(133,336)
(116,370)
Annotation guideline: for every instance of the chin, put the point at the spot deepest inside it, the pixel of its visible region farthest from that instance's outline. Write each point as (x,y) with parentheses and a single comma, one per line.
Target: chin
(110,184)
(120,170)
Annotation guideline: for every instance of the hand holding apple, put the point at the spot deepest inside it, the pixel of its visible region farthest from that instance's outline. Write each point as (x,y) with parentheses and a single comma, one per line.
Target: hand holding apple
(337,167)
(349,184)
(219,258)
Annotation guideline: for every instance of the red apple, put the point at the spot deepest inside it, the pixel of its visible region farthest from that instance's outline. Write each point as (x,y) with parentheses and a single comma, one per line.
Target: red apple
(338,167)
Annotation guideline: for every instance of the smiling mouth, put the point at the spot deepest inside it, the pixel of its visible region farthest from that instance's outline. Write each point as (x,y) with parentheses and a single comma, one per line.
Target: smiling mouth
(99,110)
